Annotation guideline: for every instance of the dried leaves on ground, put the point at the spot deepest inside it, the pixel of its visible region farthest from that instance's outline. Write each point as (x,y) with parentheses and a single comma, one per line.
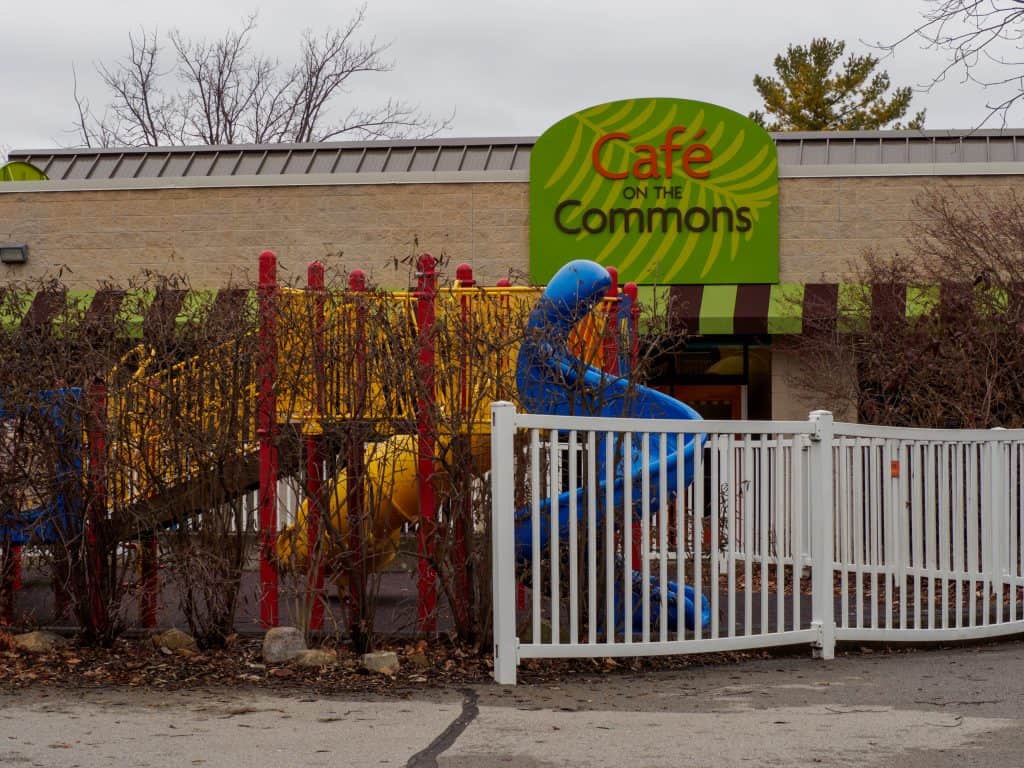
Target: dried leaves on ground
(136,663)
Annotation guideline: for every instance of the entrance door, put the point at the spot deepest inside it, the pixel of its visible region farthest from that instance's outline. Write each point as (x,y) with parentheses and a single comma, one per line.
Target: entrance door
(712,401)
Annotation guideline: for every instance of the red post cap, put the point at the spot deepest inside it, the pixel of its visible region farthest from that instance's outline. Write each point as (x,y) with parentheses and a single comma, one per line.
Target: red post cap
(268,268)
(426,264)
(464,275)
(613,289)
(315,274)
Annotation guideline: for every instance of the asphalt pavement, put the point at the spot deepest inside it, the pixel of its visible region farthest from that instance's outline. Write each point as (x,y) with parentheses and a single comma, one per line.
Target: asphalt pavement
(928,708)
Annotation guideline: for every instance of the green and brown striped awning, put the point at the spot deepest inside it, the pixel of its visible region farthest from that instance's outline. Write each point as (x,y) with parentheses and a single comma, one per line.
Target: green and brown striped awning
(699,310)
(794,308)
(140,312)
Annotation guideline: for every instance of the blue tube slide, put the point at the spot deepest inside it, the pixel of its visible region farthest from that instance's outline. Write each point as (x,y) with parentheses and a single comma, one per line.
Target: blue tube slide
(552,380)
(58,518)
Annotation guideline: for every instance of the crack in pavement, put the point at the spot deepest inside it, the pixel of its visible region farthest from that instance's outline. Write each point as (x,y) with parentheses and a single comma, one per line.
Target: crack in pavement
(427,758)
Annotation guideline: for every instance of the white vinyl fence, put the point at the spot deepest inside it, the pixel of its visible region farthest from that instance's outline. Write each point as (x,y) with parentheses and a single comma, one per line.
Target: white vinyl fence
(921,531)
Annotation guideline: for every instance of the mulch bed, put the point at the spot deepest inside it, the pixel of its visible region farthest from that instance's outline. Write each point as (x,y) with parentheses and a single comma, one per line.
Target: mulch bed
(136,663)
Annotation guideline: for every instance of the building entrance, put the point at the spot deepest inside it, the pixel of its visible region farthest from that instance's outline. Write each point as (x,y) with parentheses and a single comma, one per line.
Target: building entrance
(730,380)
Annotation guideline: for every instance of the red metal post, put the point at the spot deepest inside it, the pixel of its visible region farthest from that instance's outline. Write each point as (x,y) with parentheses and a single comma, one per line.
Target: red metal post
(610,364)
(633,293)
(610,342)
(314,497)
(96,509)
(16,566)
(634,355)
(521,597)
(505,304)
(426,294)
(355,462)
(150,580)
(464,278)
(314,448)
(10,580)
(267,432)
(148,543)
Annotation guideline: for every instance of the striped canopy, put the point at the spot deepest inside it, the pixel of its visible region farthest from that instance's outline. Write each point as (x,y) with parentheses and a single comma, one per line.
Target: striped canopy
(140,310)
(698,310)
(792,308)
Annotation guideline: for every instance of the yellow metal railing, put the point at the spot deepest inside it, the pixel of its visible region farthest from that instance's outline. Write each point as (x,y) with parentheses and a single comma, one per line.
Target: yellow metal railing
(167,425)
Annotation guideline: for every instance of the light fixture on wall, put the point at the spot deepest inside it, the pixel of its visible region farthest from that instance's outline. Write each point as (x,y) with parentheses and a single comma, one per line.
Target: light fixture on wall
(13,253)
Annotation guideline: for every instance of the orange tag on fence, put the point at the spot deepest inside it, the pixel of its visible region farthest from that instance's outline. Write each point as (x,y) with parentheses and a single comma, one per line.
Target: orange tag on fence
(894,468)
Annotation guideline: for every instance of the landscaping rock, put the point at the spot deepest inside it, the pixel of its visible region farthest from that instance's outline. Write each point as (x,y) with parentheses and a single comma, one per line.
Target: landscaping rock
(282,644)
(40,642)
(418,659)
(315,657)
(174,640)
(382,662)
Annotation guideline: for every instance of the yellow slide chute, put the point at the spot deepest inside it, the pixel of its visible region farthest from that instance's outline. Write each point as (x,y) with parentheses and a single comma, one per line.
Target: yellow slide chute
(391,499)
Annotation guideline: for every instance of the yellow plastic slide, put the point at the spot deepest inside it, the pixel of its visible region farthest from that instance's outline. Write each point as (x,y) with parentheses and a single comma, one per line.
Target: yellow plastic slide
(391,498)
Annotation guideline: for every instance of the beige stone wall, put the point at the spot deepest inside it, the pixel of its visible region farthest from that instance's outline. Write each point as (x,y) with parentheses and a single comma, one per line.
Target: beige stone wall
(827,224)
(215,235)
(793,402)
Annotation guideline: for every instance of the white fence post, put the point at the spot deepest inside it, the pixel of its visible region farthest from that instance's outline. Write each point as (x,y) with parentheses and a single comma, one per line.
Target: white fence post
(822,520)
(998,520)
(503,567)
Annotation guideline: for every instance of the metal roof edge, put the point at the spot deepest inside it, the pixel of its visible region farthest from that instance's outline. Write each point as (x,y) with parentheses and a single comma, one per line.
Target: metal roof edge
(284,180)
(903,133)
(450,160)
(854,170)
(777,136)
(481,177)
(306,146)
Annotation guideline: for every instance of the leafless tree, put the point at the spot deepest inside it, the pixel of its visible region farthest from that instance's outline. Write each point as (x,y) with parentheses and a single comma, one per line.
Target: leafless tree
(950,356)
(982,40)
(223,92)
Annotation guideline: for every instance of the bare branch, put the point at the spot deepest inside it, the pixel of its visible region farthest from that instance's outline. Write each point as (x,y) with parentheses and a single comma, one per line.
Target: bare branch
(220,92)
(979,38)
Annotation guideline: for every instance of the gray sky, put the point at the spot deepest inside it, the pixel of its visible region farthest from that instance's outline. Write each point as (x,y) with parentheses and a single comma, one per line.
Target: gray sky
(506,68)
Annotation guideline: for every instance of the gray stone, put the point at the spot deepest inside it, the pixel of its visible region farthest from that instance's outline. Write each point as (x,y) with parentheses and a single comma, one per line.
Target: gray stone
(282,644)
(174,640)
(418,659)
(382,662)
(315,657)
(40,642)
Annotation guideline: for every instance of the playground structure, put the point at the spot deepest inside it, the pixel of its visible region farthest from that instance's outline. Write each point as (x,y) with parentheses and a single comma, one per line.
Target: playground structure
(318,385)
(552,380)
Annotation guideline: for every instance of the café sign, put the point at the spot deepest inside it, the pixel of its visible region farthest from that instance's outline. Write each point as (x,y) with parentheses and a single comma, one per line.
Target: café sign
(670,191)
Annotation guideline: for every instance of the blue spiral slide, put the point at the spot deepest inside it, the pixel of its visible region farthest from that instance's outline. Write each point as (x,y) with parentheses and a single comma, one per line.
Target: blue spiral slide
(552,380)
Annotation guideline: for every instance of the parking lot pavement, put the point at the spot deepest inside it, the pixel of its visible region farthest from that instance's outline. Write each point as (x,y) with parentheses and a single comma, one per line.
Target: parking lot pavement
(956,707)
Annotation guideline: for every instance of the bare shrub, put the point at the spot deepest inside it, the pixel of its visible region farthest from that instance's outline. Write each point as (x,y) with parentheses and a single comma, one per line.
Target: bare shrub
(953,359)
(150,460)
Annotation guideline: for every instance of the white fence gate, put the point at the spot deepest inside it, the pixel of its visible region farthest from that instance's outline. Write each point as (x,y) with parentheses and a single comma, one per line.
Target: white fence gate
(921,533)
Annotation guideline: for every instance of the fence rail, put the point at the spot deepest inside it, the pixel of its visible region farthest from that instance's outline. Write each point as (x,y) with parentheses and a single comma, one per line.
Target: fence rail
(611,540)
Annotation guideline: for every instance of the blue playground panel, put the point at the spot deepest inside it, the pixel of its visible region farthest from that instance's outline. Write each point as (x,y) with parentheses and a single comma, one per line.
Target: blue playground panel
(59,517)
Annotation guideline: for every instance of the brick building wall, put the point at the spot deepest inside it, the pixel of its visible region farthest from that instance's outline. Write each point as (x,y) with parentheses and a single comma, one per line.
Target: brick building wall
(214,234)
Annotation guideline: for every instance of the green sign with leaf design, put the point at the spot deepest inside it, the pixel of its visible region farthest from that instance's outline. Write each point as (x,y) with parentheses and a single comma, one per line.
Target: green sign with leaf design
(670,191)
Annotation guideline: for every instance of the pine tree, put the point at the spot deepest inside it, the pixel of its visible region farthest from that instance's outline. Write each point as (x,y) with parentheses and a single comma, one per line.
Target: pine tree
(811,94)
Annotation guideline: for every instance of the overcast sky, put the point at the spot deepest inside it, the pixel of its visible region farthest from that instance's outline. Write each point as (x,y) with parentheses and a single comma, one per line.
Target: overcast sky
(505,68)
